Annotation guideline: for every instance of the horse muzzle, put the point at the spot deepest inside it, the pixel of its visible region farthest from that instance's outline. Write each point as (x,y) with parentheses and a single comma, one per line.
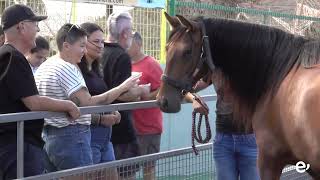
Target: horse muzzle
(169,106)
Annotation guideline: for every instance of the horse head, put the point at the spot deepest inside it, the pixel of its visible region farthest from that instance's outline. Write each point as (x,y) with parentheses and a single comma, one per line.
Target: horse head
(184,62)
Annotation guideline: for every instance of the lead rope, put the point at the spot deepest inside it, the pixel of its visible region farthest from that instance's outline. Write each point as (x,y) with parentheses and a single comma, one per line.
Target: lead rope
(196,135)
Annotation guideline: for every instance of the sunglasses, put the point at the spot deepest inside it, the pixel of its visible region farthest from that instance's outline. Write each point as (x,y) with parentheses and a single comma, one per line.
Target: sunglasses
(74,26)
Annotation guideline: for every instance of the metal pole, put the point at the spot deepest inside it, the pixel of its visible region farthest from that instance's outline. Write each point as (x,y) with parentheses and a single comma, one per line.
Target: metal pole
(20,137)
(264,19)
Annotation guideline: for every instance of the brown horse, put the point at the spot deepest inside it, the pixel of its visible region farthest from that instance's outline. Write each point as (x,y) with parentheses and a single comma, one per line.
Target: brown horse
(275,77)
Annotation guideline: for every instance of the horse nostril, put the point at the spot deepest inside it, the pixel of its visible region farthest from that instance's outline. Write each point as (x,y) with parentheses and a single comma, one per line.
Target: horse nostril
(163,103)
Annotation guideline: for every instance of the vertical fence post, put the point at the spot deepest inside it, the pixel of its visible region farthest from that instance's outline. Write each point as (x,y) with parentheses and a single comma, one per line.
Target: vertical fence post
(20,149)
(74,12)
(172,7)
(163,38)
(265,19)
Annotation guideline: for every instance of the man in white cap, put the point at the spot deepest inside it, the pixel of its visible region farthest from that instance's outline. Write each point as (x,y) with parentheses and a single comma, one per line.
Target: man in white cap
(18,93)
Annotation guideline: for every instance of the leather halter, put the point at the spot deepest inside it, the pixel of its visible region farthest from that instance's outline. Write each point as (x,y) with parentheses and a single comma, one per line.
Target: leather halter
(205,58)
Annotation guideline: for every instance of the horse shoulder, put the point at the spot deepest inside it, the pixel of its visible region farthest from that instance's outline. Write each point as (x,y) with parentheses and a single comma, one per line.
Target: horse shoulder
(302,115)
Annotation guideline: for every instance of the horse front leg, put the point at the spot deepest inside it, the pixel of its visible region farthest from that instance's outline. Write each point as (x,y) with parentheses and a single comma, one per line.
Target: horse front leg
(269,167)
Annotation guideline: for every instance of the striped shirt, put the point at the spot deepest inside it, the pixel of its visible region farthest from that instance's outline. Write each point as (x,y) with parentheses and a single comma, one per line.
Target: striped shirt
(58,79)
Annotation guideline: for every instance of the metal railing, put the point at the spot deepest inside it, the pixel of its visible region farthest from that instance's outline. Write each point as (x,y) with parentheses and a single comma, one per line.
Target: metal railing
(176,164)
(27,116)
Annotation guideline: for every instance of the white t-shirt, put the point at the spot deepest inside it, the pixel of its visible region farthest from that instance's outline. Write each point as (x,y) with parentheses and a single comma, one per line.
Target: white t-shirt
(58,79)
(34,69)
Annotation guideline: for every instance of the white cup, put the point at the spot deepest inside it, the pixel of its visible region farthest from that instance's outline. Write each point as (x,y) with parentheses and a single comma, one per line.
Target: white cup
(146,87)
(133,73)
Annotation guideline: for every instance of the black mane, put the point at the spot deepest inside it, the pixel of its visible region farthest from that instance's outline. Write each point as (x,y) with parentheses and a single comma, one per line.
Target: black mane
(257,58)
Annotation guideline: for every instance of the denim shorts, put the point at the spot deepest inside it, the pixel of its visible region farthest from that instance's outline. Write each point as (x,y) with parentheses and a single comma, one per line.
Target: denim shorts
(67,147)
(102,148)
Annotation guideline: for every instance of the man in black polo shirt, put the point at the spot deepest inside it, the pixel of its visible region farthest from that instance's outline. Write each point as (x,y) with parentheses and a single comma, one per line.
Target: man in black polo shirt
(116,69)
(18,93)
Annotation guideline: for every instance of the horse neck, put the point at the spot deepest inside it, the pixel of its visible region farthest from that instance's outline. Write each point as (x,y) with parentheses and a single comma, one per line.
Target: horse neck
(254,58)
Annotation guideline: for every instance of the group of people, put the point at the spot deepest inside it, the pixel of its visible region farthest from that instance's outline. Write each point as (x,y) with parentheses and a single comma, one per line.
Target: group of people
(87,70)
(91,70)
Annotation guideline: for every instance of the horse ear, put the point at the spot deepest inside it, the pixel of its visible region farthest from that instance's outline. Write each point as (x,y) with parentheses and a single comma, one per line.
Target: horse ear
(190,25)
(173,21)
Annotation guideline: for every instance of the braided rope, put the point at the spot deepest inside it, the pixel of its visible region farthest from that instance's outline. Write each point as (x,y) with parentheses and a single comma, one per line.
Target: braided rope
(196,134)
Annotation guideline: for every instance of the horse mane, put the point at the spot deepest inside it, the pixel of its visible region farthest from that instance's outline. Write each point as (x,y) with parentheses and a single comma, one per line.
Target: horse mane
(256,58)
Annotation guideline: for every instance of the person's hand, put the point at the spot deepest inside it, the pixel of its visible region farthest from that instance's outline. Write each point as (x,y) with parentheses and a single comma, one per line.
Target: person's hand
(72,110)
(132,95)
(132,81)
(108,120)
(201,108)
(117,116)
(145,91)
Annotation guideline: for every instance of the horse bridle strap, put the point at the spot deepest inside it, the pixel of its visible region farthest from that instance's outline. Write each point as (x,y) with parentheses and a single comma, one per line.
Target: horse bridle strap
(186,86)
(206,51)
(205,57)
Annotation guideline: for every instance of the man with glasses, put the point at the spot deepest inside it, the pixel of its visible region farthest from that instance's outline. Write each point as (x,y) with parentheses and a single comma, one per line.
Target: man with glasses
(147,122)
(117,68)
(18,93)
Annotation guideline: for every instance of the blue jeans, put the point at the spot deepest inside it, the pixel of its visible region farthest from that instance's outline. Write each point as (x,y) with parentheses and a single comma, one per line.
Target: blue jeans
(33,161)
(235,157)
(102,148)
(67,147)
